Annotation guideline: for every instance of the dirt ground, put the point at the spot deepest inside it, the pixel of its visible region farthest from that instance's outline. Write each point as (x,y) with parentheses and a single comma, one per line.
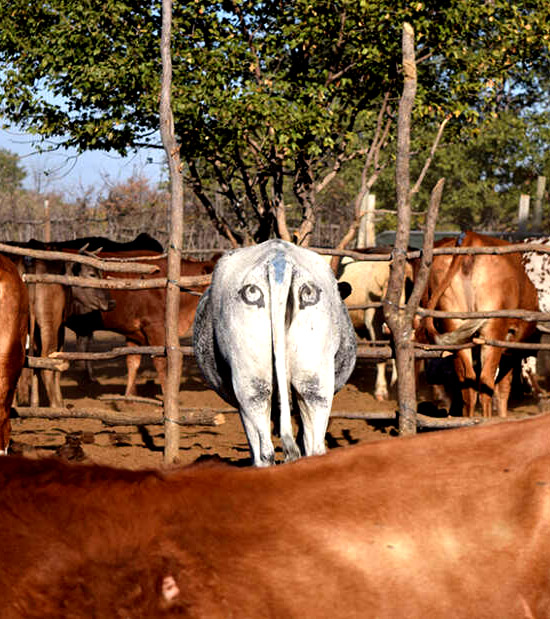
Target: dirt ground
(130,446)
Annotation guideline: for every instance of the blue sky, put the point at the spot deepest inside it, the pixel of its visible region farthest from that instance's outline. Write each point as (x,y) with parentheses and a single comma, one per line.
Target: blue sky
(65,172)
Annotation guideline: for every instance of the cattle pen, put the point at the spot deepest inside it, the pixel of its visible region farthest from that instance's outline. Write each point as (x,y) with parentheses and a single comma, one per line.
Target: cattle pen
(378,350)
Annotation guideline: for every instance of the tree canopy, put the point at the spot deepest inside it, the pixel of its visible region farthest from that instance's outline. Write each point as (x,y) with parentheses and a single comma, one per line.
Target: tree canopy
(272,100)
(12,173)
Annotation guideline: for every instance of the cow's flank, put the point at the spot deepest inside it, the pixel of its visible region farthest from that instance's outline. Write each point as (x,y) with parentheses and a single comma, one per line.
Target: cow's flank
(273,326)
(454,524)
(14,305)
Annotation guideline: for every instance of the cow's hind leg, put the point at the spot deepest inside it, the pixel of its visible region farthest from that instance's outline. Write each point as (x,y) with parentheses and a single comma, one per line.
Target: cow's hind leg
(5,429)
(467,380)
(314,396)
(254,396)
(51,343)
(502,392)
(381,385)
(132,366)
(256,423)
(84,344)
(490,360)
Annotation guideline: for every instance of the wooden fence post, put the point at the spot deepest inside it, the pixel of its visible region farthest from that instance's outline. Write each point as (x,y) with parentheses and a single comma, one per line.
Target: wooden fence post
(537,211)
(397,319)
(523,213)
(47,222)
(171,147)
(366,234)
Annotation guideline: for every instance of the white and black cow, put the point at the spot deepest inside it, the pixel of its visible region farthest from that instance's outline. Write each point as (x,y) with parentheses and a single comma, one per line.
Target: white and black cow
(273,321)
(537,267)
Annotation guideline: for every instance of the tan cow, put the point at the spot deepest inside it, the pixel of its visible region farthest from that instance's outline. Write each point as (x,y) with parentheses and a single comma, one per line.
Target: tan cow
(452,524)
(369,283)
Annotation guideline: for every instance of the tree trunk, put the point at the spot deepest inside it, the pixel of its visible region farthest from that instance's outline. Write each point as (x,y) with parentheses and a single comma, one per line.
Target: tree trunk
(400,321)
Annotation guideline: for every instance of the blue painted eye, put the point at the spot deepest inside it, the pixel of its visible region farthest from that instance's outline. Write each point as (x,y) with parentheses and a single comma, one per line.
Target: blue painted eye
(309,294)
(252,295)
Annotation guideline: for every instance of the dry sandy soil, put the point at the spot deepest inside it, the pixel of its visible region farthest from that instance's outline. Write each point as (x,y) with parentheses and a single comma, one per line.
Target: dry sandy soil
(131,446)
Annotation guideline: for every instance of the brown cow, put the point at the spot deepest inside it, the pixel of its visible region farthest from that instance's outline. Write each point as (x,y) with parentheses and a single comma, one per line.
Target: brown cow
(139,314)
(480,282)
(14,304)
(452,524)
(52,306)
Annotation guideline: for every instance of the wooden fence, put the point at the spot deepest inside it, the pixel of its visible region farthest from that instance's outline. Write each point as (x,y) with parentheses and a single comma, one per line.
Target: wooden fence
(375,350)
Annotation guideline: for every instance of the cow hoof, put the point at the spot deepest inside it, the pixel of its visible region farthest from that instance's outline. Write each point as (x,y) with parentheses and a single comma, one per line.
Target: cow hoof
(290,449)
(268,460)
(381,397)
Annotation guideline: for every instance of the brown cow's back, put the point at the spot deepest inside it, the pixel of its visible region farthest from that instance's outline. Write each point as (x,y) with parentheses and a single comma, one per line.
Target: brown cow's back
(452,524)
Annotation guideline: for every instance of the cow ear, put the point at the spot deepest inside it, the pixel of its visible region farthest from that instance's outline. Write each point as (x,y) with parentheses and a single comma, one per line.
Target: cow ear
(345,289)
(73,268)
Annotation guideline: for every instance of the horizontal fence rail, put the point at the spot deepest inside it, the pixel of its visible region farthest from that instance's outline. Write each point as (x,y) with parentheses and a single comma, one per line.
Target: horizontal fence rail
(186,281)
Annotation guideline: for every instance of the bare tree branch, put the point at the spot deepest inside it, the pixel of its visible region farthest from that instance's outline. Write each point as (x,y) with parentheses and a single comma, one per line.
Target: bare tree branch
(431,155)
(421,277)
(219,222)
(250,38)
(372,159)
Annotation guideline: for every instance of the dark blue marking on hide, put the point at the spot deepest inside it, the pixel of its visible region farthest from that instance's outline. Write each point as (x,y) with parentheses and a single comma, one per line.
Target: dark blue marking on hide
(279,263)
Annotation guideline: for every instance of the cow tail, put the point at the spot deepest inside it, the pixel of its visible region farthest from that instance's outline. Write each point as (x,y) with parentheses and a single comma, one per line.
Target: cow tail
(438,293)
(462,334)
(280,281)
(468,327)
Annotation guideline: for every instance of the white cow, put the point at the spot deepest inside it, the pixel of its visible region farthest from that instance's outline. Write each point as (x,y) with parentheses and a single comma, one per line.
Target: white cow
(271,322)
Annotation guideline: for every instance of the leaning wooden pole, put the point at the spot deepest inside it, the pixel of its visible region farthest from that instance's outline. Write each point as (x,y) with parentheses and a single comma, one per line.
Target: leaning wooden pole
(173,354)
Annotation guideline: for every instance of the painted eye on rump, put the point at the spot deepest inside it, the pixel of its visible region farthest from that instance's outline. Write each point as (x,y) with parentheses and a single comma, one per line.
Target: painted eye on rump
(308,294)
(252,295)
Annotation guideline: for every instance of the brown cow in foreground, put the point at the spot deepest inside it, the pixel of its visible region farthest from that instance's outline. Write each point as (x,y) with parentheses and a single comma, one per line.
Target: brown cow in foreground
(476,283)
(14,308)
(454,524)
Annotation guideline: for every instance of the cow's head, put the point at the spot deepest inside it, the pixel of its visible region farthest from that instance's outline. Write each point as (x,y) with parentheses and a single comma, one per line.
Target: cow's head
(86,300)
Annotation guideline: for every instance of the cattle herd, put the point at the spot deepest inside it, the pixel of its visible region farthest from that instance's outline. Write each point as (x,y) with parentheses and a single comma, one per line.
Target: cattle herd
(445,524)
